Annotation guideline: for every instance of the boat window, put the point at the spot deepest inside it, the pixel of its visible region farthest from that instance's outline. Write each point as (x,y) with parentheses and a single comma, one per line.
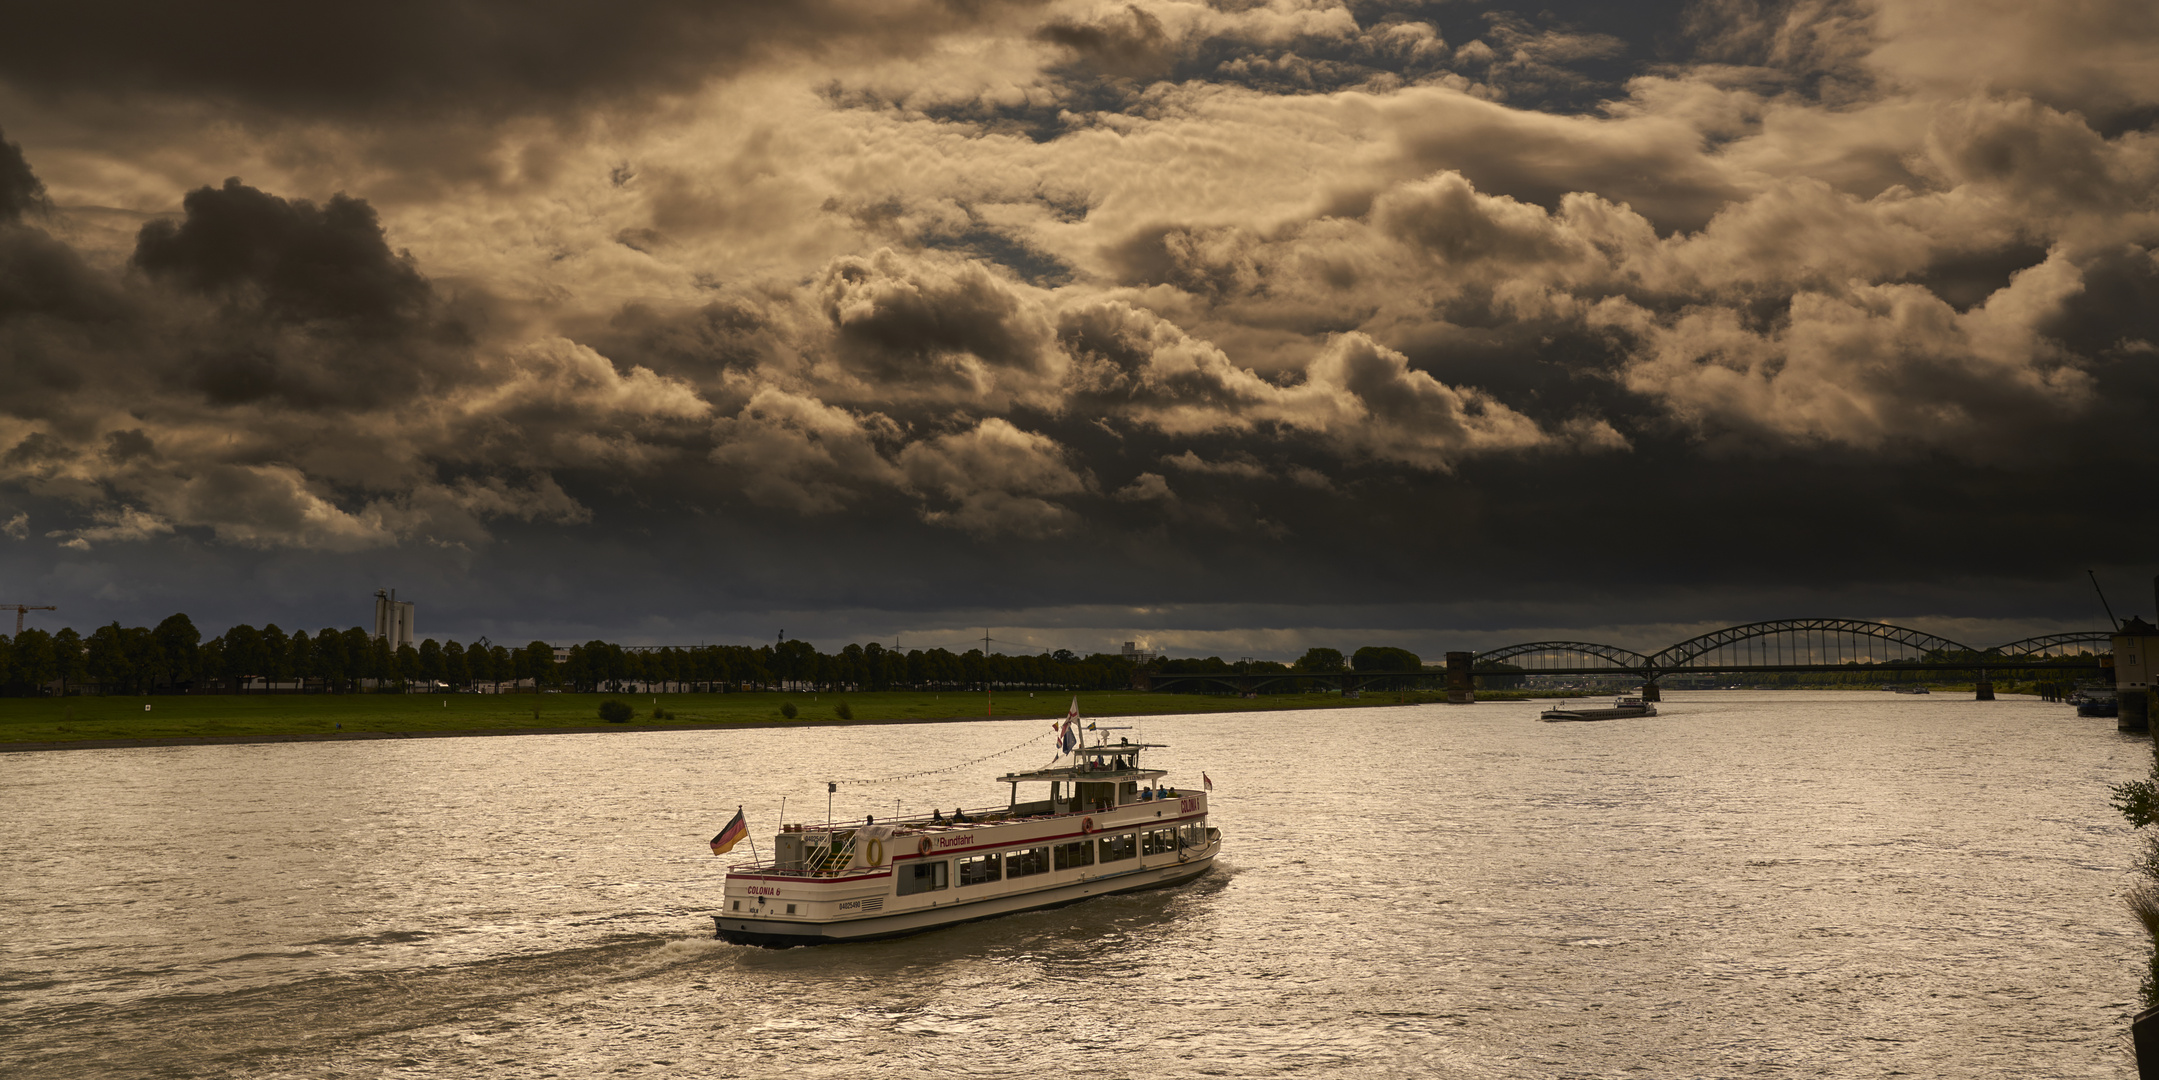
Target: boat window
(1128,792)
(1158,841)
(979,870)
(790,909)
(1120,846)
(1076,853)
(1027,862)
(924,877)
(738,905)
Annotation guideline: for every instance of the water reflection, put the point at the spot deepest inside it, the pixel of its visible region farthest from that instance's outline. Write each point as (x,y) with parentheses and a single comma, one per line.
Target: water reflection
(1830,884)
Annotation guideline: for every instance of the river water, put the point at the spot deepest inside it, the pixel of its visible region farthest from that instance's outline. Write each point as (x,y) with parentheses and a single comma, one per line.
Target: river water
(1783,884)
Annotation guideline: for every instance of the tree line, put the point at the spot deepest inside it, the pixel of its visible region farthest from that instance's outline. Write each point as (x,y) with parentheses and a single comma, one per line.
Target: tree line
(173,657)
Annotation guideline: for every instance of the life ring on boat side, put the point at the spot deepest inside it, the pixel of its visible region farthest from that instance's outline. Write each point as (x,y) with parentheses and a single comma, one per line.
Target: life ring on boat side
(923,848)
(876,853)
(1086,826)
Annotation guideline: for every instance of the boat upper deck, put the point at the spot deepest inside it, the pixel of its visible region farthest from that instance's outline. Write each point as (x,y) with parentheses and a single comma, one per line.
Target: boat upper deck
(1097,763)
(1090,780)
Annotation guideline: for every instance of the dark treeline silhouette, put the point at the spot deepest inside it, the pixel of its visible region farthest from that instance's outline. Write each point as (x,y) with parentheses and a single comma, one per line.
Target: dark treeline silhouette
(174,658)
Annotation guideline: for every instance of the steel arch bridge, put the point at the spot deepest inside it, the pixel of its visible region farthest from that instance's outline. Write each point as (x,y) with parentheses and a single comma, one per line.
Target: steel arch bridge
(1793,645)
(2056,644)
(1774,645)
(1624,659)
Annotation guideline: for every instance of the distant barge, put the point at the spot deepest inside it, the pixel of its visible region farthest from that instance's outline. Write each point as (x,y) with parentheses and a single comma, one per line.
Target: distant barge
(1621,709)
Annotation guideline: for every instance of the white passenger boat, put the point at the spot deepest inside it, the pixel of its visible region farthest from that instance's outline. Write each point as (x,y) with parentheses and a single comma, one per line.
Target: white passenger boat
(1621,708)
(1108,826)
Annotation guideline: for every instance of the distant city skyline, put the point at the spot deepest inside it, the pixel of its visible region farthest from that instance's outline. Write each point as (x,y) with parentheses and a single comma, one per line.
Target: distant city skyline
(1242,328)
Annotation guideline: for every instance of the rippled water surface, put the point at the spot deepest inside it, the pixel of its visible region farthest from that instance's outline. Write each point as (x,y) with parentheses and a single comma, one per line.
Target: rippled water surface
(1752,884)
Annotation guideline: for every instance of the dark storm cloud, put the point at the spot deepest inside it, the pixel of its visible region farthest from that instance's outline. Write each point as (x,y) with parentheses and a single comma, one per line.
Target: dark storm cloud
(1129,43)
(906,325)
(269,373)
(310,304)
(299,261)
(1135,313)
(20,191)
(404,58)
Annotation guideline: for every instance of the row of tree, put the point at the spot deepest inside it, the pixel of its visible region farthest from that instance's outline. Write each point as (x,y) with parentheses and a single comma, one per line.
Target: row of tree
(172,657)
(1313,662)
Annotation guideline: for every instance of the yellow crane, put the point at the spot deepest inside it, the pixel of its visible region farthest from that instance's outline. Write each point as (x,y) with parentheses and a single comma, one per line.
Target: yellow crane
(23,609)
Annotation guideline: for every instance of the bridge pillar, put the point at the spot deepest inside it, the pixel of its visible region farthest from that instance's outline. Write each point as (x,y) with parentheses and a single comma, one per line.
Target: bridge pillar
(1985,691)
(1461,685)
(2134,711)
(1651,692)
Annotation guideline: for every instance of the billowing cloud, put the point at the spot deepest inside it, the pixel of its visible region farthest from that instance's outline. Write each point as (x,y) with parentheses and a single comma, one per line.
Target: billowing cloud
(947,330)
(1075,302)
(793,451)
(995,478)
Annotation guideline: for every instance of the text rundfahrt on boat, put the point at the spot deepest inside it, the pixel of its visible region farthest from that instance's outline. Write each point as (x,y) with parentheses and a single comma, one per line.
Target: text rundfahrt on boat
(1108,826)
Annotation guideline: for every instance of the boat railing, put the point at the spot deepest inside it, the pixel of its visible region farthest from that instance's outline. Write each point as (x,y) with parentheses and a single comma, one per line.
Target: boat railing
(826,860)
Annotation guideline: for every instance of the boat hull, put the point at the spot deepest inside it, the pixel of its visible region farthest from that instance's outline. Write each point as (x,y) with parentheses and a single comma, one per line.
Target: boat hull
(1557,715)
(784,933)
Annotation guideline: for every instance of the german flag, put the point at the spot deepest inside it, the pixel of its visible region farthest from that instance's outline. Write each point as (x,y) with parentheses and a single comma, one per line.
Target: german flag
(731,835)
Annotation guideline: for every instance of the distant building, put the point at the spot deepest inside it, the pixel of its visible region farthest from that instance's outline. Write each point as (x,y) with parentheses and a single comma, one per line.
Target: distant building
(393,619)
(1138,653)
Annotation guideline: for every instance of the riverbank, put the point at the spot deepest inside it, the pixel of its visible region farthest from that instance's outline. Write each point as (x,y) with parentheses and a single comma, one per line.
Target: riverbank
(29,724)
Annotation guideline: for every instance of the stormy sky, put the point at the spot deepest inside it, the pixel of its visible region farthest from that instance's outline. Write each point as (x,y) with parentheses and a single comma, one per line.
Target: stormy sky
(1236,327)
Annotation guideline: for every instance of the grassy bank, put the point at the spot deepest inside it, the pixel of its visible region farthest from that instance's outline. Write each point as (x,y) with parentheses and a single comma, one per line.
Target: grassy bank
(223,716)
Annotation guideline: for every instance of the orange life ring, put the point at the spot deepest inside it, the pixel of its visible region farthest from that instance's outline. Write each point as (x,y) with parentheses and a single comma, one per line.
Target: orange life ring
(923,848)
(1086,826)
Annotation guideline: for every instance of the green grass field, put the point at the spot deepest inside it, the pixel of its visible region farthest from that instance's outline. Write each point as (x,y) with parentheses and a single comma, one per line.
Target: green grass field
(75,719)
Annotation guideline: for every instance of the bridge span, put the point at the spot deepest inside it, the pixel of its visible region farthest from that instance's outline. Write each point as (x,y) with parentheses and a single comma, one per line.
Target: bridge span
(1787,645)
(1776,645)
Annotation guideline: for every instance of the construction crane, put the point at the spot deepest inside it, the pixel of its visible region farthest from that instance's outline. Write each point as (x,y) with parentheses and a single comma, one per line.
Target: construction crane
(23,609)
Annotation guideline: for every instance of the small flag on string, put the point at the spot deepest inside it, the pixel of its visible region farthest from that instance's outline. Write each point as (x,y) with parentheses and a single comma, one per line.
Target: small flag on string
(731,835)
(1206,783)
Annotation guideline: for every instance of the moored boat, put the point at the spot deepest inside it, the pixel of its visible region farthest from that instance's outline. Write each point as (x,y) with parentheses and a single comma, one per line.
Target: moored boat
(1108,826)
(1621,708)
(2096,701)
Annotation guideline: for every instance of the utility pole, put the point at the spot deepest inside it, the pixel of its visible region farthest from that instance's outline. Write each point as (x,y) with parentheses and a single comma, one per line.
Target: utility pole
(21,609)
(991,710)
